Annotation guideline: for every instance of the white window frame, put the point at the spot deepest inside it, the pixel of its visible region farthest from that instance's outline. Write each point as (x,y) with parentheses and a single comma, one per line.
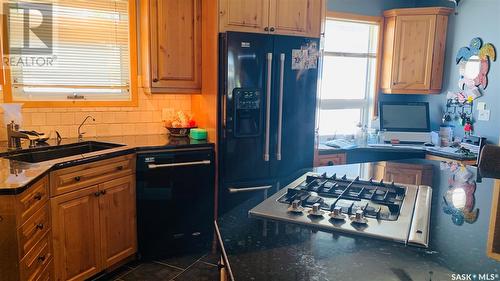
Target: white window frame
(368,105)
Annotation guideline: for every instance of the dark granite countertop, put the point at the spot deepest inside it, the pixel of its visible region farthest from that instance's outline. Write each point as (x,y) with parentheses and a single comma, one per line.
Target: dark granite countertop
(267,250)
(16,176)
(415,151)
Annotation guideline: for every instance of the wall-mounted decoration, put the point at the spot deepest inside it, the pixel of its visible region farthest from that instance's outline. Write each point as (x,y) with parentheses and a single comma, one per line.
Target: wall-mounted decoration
(459,200)
(474,64)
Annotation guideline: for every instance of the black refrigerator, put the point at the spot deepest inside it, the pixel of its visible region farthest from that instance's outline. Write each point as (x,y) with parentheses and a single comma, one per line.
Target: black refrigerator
(267,104)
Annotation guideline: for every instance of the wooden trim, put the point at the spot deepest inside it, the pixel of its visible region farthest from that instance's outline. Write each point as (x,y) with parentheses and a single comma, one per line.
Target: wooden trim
(409,92)
(440,158)
(133,102)
(419,11)
(493,234)
(353,17)
(378,73)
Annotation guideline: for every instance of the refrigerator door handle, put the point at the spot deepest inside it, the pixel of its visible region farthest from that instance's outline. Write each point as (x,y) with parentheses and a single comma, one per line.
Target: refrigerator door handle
(280,109)
(268,105)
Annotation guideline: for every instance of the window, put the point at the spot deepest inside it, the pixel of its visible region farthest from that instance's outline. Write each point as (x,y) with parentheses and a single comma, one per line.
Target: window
(71,51)
(349,73)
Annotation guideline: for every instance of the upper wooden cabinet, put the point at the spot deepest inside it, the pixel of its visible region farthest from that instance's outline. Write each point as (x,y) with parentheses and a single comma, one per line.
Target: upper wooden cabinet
(414,50)
(171,45)
(285,17)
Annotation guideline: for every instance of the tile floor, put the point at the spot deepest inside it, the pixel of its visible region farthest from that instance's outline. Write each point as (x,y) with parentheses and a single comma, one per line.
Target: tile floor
(190,267)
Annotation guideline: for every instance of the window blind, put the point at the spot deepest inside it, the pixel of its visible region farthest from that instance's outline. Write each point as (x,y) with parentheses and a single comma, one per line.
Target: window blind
(90,52)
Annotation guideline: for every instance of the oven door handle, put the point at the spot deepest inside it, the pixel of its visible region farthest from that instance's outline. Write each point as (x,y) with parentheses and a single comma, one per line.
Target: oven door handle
(194,163)
(249,189)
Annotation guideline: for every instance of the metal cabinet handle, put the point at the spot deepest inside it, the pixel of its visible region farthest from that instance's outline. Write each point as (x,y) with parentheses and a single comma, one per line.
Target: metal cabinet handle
(155,80)
(272,29)
(97,194)
(248,189)
(103,192)
(41,258)
(280,108)
(78,178)
(38,196)
(119,168)
(39,226)
(266,28)
(156,166)
(268,105)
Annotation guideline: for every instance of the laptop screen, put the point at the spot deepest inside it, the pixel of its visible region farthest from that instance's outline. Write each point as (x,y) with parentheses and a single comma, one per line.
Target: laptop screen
(404,117)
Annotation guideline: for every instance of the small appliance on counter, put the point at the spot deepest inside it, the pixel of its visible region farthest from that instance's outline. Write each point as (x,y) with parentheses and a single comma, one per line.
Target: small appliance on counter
(405,122)
(335,203)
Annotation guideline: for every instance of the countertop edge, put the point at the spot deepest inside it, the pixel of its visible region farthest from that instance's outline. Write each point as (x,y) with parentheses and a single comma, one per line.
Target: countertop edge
(92,157)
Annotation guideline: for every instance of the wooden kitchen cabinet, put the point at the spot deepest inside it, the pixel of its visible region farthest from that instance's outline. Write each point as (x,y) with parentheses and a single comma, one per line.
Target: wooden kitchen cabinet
(25,234)
(402,173)
(94,226)
(284,17)
(414,50)
(171,45)
(493,246)
(117,220)
(75,219)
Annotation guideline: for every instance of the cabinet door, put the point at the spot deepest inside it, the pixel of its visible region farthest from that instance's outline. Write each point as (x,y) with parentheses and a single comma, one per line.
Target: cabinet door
(296,17)
(413,52)
(244,15)
(118,220)
(75,222)
(176,44)
(404,176)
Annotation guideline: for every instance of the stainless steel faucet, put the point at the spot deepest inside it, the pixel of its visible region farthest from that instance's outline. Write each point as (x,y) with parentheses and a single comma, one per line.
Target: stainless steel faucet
(14,136)
(80,134)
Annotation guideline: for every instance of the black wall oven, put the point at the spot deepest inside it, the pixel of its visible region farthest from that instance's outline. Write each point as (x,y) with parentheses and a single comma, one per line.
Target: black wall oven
(175,200)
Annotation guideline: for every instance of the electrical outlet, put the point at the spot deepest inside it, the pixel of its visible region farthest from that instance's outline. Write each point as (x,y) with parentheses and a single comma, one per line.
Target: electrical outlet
(484,115)
(481,106)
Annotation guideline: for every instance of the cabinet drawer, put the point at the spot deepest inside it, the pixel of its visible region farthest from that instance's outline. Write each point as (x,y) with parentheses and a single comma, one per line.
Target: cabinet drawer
(47,274)
(331,160)
(34,263)
(73,178)
(33,230)
(32,199)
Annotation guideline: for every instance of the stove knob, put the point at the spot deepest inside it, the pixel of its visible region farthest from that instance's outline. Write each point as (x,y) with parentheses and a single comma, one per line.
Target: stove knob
(359,217)
(337,213)
(295,204)
(315,207)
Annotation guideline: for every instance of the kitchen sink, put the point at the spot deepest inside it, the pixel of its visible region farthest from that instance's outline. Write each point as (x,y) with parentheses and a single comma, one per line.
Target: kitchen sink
(55,152)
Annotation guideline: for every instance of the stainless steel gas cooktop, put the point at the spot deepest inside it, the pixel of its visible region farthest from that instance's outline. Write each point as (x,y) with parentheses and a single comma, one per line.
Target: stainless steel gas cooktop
(372,208)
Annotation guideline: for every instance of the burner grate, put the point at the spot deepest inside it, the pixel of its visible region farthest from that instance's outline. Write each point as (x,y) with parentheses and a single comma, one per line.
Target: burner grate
(376,199)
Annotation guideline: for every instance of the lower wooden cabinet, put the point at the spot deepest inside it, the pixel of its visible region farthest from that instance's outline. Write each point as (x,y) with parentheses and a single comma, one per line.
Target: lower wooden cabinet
(93,228)
(25,234)
(493,247)
(75,220)
(117,219)
(402,173)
